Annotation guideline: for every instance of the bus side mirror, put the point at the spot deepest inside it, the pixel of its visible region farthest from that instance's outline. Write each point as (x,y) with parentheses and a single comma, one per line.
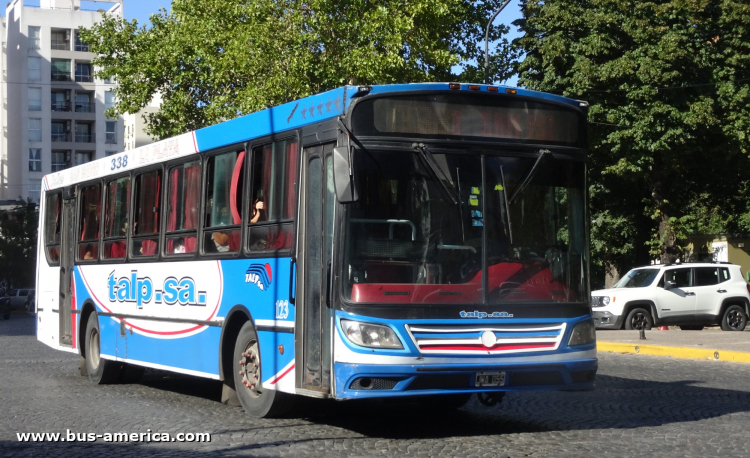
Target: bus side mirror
(343,176)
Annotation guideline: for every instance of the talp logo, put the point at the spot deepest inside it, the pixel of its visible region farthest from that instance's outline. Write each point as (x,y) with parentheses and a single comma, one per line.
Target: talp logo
(259,275)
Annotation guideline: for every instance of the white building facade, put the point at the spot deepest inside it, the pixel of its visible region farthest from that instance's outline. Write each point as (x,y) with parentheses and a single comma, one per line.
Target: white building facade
(53,108)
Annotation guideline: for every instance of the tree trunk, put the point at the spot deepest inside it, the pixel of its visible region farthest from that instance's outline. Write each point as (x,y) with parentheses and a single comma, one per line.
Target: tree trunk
(668,250)
(612,275)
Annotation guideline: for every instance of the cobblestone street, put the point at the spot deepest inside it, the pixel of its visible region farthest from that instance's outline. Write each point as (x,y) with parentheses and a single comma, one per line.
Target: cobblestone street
(642,405)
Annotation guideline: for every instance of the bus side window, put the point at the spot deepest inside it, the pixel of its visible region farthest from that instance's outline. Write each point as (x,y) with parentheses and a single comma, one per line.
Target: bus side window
(223,216)
(274,199)
(117,206)
(146,215)
(52,227)
(183,206)
(91,202)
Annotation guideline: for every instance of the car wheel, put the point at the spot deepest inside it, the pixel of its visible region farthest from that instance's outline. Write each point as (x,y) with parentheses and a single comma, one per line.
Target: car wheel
(639,319)
(100,371)
(692,328)
(734,319)
(255,399)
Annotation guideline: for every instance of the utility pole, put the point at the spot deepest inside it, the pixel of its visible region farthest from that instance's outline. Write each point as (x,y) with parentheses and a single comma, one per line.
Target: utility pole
(486,43)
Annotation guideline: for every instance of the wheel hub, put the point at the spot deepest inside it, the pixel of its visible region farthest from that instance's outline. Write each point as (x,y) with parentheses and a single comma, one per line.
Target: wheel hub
(734,319)
(250,370)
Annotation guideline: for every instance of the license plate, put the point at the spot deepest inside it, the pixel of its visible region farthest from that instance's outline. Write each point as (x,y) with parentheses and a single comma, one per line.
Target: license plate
(490,379)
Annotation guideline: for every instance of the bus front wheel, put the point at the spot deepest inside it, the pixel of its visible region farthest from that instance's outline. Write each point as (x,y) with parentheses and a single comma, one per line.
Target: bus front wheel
(100,371)
(255,399)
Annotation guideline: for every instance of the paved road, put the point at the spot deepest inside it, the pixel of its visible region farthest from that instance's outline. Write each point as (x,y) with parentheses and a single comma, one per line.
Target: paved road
(642,405)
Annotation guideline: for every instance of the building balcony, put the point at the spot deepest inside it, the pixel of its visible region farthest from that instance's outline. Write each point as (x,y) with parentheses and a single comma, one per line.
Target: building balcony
(85,138)
(82,47)
(84,107)
(60,106)
(60,45)
(61,77)
(61,136)
(84,78)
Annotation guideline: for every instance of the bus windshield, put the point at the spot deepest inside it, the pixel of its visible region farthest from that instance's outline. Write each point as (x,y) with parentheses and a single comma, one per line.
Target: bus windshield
(417,235)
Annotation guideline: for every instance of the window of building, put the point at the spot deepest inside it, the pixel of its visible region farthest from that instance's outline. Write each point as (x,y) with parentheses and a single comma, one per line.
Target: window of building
(83,102)
(109,99)
(110,153)
(91,201)
(35,190)
(224,184)
(111,132)
(146,214)
(83,157)
(183,206)
(59,160)
(34,67)
(35,37)
(84,132)
(35,159)
(60,69)
(60,100)
(60,39)
(80,46)
(59,131)
(273,195)
(116,218)
(83,72)
(35,99)
(52,227)
(35,130)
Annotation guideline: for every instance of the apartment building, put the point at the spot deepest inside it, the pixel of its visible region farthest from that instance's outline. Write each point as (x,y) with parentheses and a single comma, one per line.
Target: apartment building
(53,107)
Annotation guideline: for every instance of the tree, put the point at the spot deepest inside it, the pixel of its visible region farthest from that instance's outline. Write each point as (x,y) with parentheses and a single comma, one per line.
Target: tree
(212,60)
(18,243)
(670,98)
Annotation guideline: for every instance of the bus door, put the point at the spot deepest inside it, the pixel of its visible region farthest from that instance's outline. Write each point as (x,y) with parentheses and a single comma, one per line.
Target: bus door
(67,255)
(314,312)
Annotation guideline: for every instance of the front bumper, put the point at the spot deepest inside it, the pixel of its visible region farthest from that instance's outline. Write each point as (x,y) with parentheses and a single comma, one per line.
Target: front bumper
(607,320)
(357,381)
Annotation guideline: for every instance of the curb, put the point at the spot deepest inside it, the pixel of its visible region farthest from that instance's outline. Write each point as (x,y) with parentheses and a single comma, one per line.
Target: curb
(675,352)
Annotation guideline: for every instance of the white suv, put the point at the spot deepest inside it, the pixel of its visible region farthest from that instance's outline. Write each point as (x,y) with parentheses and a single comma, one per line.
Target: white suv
(691,295)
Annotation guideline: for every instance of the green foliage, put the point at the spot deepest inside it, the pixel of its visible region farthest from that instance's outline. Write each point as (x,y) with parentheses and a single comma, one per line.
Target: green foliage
(18,242)
(669,91)
(212,60)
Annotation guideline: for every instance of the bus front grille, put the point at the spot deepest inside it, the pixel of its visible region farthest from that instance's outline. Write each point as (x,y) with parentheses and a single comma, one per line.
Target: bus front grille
(490,339)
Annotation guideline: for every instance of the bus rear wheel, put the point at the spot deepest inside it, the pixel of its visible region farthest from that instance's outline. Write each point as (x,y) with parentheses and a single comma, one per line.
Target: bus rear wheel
(100,371)
(255,399)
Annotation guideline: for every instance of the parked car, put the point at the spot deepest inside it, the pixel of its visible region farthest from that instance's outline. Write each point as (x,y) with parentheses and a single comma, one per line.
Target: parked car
(5,307)
(689,295)
(21,298)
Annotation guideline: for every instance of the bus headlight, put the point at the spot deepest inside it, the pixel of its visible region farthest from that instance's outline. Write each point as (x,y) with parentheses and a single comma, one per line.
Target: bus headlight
(583,333)
(370,335)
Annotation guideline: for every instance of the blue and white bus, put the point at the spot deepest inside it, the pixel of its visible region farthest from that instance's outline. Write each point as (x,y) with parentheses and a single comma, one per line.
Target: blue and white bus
(371,241)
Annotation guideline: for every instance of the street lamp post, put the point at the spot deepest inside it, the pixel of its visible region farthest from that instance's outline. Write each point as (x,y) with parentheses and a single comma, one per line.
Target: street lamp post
(486,43)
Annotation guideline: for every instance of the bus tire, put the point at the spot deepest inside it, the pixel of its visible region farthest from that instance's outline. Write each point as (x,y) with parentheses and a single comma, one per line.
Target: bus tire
(100,371)
(256,400)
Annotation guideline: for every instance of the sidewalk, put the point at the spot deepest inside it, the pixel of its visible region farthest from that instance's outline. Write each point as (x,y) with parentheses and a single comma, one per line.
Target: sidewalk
(710,343)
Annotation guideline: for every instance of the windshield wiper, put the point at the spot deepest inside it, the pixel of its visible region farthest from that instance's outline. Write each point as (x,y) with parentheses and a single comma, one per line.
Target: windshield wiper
(437,173)
(543,154)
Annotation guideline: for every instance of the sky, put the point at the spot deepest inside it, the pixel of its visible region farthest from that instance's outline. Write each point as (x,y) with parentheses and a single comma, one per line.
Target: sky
(143,9)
